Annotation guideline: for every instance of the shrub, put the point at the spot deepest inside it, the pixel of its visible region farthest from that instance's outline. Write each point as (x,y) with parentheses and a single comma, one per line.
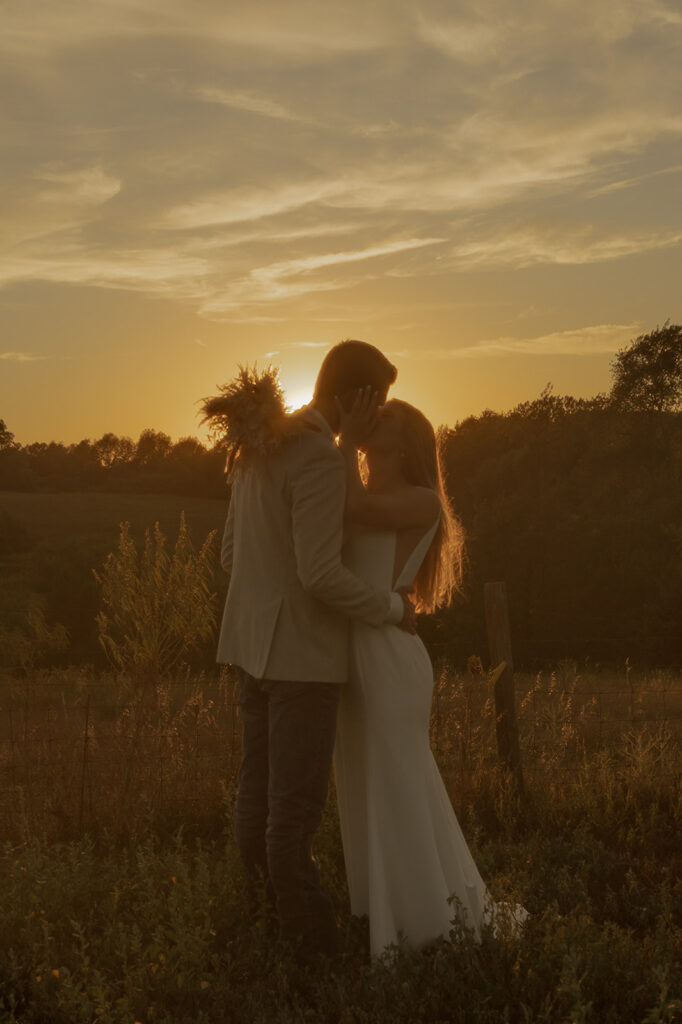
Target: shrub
(159,606)
(25,646)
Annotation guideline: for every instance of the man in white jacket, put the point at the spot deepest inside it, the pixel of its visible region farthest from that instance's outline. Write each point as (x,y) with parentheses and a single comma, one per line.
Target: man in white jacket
(286,626)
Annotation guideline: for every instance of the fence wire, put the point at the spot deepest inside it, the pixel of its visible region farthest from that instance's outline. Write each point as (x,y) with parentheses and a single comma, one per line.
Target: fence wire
(81,753)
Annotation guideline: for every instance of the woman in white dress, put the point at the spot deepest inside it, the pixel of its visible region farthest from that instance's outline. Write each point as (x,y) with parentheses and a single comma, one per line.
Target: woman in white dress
(407,862)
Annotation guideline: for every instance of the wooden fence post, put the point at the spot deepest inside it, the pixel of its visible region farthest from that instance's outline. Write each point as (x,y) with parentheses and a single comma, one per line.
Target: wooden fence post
(499,643)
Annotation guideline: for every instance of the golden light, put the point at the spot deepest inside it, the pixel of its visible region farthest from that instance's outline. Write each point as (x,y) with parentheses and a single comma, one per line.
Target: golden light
(298,391)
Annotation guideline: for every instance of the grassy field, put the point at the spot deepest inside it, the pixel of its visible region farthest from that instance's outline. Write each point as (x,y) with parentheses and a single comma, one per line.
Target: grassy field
(123,899)
(55,520)
(56,540)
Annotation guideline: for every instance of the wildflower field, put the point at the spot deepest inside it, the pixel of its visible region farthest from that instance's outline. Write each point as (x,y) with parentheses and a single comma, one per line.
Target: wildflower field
(122,899)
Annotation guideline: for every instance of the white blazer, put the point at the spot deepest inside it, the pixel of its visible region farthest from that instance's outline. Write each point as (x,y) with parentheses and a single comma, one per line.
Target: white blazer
(290,596)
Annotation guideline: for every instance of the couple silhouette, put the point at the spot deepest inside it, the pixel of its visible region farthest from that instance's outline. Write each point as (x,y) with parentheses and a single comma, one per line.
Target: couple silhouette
(329,563)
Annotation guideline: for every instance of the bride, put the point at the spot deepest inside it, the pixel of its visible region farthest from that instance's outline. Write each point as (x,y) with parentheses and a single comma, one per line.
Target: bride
(407,862)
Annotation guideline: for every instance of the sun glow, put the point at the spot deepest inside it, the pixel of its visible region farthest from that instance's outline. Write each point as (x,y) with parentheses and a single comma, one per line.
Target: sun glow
(297,393)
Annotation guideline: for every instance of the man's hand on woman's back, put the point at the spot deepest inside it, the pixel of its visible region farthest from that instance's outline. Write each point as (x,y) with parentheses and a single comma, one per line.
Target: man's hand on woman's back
(408,623)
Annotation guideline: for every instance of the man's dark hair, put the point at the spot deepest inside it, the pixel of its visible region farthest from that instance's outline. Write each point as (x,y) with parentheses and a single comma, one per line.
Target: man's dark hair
(351,365)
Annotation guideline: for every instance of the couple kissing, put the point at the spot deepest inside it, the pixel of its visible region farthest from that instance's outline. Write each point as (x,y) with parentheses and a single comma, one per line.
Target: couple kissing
(329,560)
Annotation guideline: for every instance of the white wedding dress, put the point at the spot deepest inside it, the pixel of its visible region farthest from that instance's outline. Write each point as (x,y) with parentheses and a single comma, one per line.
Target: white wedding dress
(407,862)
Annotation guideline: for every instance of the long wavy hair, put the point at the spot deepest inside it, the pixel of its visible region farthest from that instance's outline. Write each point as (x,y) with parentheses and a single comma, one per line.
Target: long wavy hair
(440,575)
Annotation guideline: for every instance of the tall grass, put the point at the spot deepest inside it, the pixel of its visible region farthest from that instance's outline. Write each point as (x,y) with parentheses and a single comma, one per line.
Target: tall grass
(124,902)
(107,756)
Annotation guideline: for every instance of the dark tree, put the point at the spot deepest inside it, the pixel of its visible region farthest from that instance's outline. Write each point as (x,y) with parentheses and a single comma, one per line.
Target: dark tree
(112,450)
(648,374)
(6,436)
(152,447)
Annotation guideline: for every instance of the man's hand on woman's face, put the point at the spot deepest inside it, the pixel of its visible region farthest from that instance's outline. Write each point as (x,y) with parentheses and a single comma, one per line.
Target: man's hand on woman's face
(358,423)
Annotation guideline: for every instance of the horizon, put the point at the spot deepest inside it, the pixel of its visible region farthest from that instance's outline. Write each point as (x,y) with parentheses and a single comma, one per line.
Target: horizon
(202,435)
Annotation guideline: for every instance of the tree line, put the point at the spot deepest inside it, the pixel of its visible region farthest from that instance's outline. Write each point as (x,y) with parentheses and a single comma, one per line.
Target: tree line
(575,503)
(151,465)
(647,377)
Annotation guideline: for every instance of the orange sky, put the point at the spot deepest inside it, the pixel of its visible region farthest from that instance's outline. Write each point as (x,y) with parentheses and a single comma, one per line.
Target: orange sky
(489,192)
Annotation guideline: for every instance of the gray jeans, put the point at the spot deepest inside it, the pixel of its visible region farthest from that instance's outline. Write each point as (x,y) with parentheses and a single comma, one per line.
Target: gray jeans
(288,734)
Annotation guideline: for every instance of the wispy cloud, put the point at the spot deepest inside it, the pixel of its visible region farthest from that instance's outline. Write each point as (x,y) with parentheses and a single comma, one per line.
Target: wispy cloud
(56,198)
(290,278)
(21,357)
(313,153)
(464,38)
(305,344)
(599,339)
(236,205)
(250,102)
(617,186)
(155,271)
(531,247)
(289,31)
(475,33)
(665,14)
(88,186)
(208,205)
(487,161)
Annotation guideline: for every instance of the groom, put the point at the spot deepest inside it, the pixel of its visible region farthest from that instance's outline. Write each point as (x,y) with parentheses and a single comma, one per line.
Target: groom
(286,626)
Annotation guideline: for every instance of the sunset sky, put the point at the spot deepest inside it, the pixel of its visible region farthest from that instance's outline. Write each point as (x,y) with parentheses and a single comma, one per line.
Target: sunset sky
(490,192)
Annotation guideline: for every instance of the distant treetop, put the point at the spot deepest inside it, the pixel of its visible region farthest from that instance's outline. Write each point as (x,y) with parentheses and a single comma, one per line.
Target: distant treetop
(6,436)
(647,375)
